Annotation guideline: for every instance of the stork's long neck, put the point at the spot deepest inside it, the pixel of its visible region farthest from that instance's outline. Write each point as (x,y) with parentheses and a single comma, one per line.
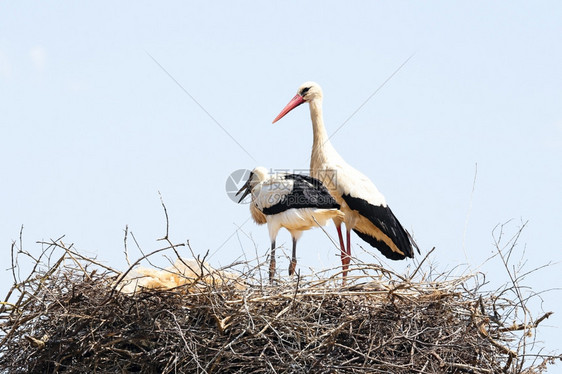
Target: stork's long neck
(320,142)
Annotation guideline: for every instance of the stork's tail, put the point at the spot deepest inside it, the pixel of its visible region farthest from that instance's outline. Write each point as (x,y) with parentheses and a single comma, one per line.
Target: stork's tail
(413,242)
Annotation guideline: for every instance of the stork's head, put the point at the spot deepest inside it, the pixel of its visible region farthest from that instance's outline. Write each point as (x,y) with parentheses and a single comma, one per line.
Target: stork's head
(257,175)
(307,92)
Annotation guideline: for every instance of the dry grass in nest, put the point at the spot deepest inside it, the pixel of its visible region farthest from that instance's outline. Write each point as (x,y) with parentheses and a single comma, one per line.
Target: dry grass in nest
(71,317)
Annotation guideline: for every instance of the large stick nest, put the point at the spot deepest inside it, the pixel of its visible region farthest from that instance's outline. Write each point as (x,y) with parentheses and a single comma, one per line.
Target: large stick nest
(71,315)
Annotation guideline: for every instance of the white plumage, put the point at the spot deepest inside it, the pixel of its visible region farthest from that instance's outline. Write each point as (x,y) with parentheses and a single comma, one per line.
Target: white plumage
(293,201)
(365,208)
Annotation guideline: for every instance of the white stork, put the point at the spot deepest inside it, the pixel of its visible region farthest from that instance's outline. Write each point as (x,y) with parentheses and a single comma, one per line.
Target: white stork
(293,201)
(365,208)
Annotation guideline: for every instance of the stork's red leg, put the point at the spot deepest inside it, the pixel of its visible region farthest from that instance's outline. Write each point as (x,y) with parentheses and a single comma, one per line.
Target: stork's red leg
(348,254)
(294,258)
(346,257)
(342,250)
(272,262)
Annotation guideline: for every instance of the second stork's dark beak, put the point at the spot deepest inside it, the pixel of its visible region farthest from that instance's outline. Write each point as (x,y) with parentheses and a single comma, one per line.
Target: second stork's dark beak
(246,188)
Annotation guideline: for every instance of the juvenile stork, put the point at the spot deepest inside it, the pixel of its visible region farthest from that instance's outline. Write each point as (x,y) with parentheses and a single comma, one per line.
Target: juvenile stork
(293,201)
(365,208)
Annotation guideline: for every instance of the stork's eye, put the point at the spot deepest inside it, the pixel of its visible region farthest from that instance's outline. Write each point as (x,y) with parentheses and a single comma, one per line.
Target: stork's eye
(304,91)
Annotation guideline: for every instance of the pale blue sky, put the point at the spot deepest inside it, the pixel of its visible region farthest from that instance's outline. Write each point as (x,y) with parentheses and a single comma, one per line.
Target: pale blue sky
(92,128)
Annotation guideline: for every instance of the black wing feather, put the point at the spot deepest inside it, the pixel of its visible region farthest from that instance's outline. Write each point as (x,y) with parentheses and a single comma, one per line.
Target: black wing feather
(307,192)
(383,218)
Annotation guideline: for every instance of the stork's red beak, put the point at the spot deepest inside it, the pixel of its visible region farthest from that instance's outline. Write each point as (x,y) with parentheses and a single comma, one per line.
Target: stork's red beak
(295,102)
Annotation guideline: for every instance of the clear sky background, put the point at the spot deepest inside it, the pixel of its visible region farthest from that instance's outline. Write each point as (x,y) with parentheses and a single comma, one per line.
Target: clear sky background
(91,127)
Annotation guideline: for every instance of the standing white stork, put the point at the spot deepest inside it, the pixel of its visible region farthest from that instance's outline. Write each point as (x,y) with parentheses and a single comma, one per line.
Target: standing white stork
(293,201)
(365,208)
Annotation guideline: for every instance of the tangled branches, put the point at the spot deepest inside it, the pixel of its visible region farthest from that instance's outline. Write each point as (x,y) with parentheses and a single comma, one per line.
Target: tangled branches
(71,317)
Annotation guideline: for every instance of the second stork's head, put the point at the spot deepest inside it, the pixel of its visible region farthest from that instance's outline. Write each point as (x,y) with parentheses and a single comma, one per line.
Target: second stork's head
(259,174)
(307,92)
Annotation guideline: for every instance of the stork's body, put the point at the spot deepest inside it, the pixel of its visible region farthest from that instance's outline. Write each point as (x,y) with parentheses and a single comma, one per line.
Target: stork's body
(293,201)
(364,207)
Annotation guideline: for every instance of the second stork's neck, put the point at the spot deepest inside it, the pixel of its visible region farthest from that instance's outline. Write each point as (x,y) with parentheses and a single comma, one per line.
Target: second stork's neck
(320,137)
